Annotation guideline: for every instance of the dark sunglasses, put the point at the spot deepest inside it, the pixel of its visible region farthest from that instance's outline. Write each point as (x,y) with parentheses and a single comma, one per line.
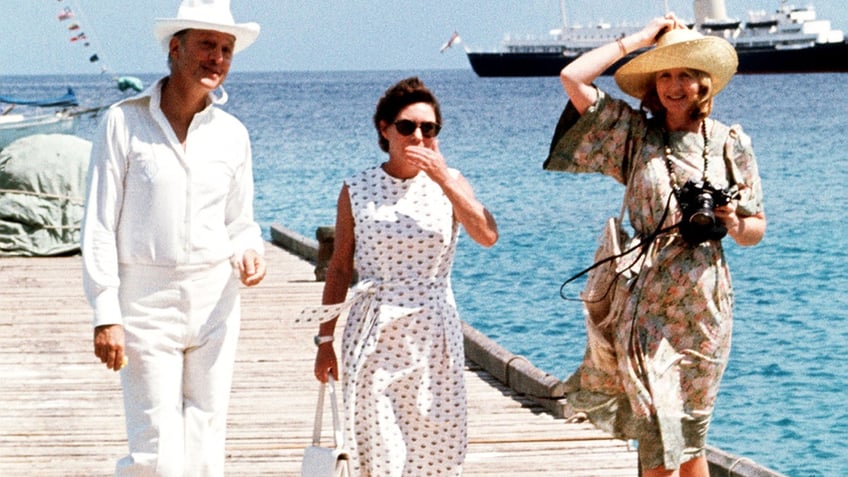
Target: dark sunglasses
(407,127)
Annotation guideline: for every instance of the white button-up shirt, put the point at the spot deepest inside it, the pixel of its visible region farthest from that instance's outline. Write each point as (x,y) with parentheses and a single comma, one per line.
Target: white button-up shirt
(150,202)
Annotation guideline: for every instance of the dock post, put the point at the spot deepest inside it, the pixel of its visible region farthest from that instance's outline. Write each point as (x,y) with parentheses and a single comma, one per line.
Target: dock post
(325,236)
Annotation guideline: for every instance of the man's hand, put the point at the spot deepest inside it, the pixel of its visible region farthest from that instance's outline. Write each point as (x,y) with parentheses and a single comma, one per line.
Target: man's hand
(251,268)
(109,346)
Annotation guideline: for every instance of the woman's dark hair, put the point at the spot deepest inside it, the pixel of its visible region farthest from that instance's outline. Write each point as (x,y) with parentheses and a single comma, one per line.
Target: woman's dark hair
(651,102)
(396,98)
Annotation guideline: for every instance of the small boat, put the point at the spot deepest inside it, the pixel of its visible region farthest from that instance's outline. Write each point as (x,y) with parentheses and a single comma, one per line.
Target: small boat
(61,120)
(56,114)
(790,40)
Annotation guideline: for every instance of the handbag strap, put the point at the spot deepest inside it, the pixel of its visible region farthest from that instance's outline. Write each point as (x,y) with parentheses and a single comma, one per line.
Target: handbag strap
(338,435)
(630,174)
(733,174)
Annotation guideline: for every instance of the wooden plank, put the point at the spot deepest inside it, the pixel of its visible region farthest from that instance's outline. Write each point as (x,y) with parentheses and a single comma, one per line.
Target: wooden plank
(61,412)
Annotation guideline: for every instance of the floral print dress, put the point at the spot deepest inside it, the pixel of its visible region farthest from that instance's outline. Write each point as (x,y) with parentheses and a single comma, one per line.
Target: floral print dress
(672,322)
(402,349)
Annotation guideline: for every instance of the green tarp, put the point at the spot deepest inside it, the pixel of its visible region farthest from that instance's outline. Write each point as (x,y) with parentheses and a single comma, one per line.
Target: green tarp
(42,186)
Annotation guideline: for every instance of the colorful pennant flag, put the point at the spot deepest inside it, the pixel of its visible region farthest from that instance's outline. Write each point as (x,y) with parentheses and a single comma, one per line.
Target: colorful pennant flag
(454,39)
(66,14)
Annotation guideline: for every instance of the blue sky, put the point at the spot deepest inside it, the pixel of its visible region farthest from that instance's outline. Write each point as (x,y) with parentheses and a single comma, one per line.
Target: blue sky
(302,35)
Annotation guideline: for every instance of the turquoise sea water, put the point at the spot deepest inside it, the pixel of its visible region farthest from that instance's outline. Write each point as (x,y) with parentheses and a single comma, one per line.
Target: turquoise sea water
(783,397)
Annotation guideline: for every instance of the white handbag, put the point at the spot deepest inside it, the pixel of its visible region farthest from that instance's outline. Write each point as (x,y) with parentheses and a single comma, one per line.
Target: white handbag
(326,461)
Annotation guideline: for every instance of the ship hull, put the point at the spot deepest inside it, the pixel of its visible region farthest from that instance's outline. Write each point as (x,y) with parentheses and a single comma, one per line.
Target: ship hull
(832,57)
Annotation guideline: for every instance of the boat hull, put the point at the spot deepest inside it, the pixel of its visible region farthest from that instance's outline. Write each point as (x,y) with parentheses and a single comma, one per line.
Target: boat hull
(824,58)
(45,124)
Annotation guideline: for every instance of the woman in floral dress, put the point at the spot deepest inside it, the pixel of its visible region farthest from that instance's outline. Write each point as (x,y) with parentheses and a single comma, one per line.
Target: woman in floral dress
(671,324)
(402,348)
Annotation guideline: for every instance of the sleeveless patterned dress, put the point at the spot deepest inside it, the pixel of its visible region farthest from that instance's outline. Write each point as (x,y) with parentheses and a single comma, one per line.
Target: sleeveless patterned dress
(402,348)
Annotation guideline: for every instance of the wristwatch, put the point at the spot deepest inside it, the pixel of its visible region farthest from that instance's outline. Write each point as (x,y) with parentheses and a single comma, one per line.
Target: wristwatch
(319,340)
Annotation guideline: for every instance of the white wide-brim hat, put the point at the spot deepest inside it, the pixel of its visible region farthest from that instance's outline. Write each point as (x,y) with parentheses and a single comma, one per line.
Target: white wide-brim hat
(679,48)
(212,15)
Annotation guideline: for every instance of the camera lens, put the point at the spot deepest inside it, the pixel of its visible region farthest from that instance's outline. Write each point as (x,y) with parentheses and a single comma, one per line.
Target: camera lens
(702,214)
(701,219)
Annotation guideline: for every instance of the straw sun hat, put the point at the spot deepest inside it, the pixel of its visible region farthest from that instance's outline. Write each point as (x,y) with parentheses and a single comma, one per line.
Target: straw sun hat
(679,48)
(206,15)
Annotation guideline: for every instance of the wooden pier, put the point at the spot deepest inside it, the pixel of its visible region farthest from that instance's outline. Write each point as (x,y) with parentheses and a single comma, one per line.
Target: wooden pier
(61,412)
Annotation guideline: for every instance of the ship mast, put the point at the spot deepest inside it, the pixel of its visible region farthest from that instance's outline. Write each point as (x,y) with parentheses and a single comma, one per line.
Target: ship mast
(562,14)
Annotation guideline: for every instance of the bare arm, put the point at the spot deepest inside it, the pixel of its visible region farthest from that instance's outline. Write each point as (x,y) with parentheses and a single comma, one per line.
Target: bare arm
(336,284)
(340,267)
(745,231)
(577,77)
(474,217)
(470,212)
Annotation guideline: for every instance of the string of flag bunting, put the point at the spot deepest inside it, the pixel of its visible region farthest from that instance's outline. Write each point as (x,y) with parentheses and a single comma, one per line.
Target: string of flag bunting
(69,17)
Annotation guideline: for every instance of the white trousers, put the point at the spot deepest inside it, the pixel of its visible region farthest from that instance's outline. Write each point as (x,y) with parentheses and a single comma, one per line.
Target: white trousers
(181,331)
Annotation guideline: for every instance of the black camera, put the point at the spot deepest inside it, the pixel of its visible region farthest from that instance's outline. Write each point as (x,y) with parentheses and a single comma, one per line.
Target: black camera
(697,202)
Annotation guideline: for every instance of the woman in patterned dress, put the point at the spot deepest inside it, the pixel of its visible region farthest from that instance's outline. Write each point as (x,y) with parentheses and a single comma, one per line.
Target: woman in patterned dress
(402,346)
(671,323)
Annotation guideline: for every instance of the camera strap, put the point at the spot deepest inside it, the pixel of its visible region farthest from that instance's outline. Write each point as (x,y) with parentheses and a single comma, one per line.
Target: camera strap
(643,245)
